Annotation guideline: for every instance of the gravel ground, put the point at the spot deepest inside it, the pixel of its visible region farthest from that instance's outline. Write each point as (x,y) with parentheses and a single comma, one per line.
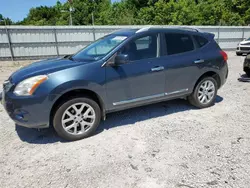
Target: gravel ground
(169,144)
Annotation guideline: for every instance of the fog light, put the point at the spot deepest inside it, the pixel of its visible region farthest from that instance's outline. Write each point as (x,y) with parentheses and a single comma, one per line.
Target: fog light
(19,117)
(21,114)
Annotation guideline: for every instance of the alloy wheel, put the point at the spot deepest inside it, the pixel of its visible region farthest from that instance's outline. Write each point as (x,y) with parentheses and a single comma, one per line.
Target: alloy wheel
(78,118)
(206,92)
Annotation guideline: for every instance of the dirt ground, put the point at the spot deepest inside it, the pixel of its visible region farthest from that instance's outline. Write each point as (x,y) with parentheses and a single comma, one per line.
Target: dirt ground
(164,145)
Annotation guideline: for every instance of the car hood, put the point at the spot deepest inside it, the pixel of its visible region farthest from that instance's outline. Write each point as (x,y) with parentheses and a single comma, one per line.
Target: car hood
(42,67)
(245,42)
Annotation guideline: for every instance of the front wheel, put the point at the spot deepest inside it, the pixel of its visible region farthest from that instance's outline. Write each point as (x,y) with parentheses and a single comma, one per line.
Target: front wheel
(77,118)
(238,54)
(204,93)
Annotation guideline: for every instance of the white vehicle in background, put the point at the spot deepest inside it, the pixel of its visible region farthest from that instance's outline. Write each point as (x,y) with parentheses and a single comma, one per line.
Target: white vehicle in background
(243,47)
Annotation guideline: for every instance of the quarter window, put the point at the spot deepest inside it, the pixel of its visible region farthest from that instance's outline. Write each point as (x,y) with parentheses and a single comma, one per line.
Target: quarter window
(201,41)
(178,43)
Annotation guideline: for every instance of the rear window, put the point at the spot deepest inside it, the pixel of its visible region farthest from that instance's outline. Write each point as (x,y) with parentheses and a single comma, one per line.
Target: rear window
(178,43)
(201,41)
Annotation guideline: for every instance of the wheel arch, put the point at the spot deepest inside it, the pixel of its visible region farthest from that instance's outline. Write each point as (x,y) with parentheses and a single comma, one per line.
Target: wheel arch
(78,93)
(209,74)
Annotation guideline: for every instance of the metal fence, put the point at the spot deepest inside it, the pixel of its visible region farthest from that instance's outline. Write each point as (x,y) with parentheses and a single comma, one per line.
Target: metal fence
(37,42)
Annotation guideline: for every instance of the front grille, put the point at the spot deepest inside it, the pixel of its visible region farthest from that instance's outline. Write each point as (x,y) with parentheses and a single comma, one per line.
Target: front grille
(245,48)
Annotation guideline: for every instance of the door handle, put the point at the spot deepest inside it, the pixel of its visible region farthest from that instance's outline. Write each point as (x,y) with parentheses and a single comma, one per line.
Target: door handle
(157,69)
(199,61)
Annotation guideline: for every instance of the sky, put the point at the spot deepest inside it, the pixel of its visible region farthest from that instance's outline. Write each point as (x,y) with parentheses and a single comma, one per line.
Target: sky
(16,10)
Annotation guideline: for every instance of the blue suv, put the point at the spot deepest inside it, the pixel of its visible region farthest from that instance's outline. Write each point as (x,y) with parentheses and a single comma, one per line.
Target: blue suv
(124,69)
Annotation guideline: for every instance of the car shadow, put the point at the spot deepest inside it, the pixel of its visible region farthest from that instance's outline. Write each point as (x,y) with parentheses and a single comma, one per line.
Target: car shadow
(244,78)
(142,113)
(116,119)
(38,136)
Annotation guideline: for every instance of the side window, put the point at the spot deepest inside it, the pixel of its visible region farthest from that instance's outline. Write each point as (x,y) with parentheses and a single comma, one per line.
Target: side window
(143,43)
(178,43)
(141,48)
(201,41)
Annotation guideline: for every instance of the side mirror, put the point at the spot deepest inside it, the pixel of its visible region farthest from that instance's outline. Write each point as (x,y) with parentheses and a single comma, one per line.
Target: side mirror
(121,59)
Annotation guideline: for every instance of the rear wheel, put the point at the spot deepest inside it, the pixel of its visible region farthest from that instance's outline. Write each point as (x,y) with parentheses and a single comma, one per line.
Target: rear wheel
(204,93)
(77,118)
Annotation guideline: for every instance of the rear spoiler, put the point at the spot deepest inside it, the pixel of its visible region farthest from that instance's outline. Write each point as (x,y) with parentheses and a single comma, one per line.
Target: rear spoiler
(210,36)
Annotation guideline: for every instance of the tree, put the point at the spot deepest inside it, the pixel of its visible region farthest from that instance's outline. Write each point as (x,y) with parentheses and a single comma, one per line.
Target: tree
(138,4)
(212,12)
(6,21)
(104,13)
(181,12)
(42,15)
(62,18)
(120,14)
(189,12)
(127,12)
(242,7)
(83,10)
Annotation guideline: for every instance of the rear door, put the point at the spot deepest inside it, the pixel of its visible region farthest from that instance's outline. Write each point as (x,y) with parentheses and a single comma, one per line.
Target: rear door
(181,60)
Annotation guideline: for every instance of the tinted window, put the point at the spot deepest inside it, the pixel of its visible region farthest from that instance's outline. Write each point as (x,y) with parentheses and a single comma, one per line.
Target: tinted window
(141,48)
(201,41)
(178,43)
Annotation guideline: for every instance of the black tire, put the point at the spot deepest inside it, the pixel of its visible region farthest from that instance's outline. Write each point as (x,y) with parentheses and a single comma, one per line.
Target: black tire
(238,54)
(57,123)
(248,73)
(193,98)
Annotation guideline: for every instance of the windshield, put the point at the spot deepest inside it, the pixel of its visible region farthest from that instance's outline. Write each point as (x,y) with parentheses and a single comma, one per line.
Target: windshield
(248,39)
(99,48)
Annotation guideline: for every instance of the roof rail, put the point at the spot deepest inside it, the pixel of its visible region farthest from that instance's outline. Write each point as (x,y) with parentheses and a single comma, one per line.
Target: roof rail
(192,28)
(186,28)
(143,29)
(173,27)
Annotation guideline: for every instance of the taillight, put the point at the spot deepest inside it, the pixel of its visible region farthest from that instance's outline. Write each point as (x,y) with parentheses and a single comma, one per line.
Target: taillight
(224,55)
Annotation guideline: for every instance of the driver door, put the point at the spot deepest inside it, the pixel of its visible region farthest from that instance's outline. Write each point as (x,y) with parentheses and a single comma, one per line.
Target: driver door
(140,80)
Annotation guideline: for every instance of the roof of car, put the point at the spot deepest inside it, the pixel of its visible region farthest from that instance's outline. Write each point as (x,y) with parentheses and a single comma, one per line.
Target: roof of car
(129,32)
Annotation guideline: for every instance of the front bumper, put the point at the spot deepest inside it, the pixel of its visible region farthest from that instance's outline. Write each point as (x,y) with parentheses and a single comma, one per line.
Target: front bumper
(243,49)
(31,111)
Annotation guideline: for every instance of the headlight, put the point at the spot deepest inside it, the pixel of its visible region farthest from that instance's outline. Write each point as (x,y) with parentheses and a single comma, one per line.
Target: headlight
(28,86)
